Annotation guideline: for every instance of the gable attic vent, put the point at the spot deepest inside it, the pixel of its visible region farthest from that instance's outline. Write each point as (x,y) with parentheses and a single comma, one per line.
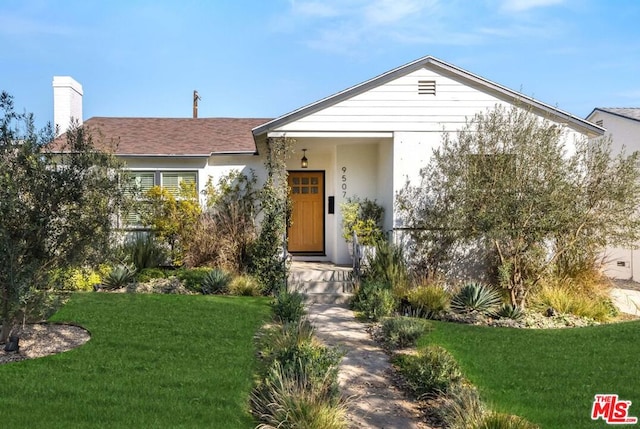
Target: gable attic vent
(600,122)
(427,87)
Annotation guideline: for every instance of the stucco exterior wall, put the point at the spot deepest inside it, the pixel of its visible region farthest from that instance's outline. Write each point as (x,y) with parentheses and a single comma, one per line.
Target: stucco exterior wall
(619,262)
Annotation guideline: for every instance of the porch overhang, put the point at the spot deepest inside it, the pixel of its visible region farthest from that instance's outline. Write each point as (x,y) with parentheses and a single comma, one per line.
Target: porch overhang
(331,134)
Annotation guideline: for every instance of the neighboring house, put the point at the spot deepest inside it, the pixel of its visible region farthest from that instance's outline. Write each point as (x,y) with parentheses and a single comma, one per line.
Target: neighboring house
(623,126)
(365,141)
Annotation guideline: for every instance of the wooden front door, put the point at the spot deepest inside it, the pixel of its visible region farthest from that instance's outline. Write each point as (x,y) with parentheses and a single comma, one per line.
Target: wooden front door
(306,234)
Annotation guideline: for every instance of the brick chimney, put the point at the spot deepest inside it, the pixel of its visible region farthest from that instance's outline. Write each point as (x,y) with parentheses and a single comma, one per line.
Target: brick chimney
(67,102)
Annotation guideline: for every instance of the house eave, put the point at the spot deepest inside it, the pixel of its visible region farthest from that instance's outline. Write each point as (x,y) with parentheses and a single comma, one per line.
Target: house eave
(620,115)
(331,134)
(429,61)
(161,155)
(183,155)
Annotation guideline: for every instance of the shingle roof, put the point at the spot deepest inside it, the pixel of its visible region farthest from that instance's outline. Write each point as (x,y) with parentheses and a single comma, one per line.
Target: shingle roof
(177,136)
(627,112)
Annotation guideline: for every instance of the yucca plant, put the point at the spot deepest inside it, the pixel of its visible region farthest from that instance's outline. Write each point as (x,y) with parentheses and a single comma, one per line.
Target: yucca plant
(143,251)
(216,281)
(476,297)
(120,276)
(508,311)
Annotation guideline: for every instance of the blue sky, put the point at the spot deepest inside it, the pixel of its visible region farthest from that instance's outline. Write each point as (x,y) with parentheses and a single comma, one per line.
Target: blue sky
(264,58)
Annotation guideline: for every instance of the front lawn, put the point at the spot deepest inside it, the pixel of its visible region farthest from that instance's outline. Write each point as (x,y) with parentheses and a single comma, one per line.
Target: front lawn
(153,361)
(549,376)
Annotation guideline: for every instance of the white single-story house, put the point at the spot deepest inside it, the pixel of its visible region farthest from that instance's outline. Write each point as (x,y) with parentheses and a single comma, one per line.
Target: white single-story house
(623,126)
(365,141)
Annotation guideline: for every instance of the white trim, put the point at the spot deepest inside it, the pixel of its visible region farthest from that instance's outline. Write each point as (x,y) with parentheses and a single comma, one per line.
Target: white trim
(331,134)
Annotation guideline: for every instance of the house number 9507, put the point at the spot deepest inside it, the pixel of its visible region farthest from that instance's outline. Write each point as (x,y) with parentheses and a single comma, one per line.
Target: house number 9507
(344,182)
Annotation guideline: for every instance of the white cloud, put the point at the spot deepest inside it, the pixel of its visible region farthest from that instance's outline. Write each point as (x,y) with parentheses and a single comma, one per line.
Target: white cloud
(315,9)
(385,12)
(524,5)
(350,26)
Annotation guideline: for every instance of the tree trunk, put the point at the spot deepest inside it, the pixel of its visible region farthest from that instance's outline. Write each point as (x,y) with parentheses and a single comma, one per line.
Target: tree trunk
(6,317)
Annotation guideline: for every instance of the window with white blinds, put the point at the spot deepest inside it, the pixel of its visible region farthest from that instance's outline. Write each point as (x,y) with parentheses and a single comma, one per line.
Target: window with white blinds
(139,182)
(171,180)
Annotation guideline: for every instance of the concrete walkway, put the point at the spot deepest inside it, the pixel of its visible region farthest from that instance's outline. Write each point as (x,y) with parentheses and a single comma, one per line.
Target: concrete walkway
(627,300)
(365,372)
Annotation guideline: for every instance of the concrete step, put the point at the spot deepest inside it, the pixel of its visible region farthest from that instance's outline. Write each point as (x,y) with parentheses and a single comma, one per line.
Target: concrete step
(320,275)
(322,283)
(322,287)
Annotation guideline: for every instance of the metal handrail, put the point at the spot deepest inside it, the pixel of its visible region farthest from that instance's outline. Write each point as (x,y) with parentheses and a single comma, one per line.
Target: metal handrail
(357,256)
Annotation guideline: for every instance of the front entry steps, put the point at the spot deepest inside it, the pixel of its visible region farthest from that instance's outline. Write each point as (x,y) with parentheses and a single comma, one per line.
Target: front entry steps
(321,282)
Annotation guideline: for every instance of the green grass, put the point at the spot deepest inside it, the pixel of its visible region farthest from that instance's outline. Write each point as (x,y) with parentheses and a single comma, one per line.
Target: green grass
(153,361)
(547,376)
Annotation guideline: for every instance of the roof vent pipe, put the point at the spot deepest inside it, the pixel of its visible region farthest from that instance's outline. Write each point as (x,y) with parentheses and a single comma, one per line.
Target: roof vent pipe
(196,97)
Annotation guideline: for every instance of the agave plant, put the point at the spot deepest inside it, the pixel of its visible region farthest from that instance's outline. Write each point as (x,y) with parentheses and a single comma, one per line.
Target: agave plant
(120,276)
(216,281)
(476,297)
(509,311)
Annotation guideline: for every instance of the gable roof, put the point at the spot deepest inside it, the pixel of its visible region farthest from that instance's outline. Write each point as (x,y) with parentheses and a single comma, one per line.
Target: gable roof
(187,137)
(441,67)
(632,113)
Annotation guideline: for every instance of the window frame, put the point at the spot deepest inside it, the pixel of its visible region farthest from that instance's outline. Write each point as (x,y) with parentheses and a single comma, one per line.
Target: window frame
(132,220)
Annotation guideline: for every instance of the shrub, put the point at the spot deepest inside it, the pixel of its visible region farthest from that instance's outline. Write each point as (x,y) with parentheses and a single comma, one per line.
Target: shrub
(564,299)
(461,408)
(284,400)
(215,281)
(226,231)
(403,332)
(73,279)
(429,301)
(388,265)
(280,342)
(509,311)
(375,300)
(364,217)
(288,306)
(290,351)
(142,251)
(192,278)
(245,286)
(432,370)
(147,274)
(476,297)
(120,276)
(317,364)
(495,420)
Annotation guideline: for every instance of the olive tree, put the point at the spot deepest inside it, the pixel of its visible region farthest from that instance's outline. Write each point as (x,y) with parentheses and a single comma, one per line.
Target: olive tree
(517,187)
(58,202)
